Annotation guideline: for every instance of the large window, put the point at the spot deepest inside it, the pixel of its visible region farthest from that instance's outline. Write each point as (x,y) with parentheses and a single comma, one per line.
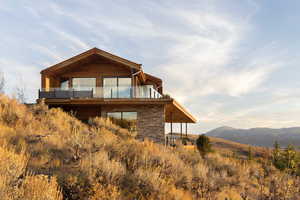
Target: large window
(117,87)
(64,84)
(84,84)
(126,120)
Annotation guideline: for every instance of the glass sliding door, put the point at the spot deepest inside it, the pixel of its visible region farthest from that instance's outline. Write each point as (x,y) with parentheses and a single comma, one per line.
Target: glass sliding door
(84,84)
(110,87)
(124,87)
(64,85)
(117,87)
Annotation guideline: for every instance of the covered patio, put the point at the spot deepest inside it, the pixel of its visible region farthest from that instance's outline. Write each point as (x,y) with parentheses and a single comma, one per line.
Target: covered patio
(175,114)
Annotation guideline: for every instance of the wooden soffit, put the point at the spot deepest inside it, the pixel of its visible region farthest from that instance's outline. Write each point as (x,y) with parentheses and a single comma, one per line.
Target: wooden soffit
(176,113)
(90,54)
(154,79)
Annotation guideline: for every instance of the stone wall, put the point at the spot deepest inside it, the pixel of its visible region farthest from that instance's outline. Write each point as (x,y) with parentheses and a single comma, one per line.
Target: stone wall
(150,119)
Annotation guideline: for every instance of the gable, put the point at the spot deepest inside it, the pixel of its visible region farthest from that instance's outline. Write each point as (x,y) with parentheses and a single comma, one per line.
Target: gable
(91,56)
(96,69)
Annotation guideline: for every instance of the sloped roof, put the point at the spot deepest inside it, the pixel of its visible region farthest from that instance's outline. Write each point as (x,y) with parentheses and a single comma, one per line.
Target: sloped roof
(178,114)
(91,52)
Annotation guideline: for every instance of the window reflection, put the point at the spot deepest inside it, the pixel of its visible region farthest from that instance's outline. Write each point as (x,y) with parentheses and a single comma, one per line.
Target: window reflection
(124,87)
(145,91)
(110,87)
(126,120)
(117,87)
(84,83)
(64,85)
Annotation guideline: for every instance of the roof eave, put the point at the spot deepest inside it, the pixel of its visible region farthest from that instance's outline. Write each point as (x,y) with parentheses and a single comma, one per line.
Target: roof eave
(93,51)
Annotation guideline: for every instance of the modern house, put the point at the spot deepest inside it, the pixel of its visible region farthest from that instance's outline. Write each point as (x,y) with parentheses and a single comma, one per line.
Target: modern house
(98,83)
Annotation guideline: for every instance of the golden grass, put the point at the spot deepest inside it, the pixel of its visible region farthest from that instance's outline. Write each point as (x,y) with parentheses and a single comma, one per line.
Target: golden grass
(48,154)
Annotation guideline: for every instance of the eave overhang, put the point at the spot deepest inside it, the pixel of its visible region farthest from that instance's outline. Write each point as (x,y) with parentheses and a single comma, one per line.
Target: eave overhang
(176,113)
(91,52)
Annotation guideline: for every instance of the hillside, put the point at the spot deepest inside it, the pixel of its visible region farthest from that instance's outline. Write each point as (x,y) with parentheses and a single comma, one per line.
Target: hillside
(228,148)
(259,136)
(48,154)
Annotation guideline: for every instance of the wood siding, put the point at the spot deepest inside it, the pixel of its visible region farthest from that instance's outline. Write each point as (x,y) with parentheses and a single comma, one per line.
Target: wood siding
(97,70)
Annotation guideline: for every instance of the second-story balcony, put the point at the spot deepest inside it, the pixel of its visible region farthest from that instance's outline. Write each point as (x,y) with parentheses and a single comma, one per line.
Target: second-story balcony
(100,92)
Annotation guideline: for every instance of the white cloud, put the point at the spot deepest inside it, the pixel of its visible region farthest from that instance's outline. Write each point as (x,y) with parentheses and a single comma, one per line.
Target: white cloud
(48,52)
(202,62)
(14,72)
(78,43)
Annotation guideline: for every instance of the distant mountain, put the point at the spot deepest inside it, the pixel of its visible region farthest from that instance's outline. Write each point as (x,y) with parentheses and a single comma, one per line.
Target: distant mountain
(259,136)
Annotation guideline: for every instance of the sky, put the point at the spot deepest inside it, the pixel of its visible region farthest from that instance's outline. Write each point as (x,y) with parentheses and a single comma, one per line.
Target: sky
(230,63)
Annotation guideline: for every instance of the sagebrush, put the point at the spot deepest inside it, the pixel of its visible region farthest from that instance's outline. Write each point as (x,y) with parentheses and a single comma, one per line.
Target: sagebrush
(49,154)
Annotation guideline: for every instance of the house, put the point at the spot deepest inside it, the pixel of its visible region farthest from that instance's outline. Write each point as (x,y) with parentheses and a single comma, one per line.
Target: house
(98,83)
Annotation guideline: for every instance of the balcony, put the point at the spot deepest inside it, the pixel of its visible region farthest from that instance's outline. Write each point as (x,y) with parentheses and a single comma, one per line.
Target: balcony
(101,92)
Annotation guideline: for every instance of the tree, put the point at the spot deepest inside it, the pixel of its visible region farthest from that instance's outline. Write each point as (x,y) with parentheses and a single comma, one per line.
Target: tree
(250,153)
(2,83)
(20,90)
(290,157)
(287,159)
(277,158)
(203,145)
(276,152)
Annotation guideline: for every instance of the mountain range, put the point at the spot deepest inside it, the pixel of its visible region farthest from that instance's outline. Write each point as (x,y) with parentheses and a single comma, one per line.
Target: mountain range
(259,136)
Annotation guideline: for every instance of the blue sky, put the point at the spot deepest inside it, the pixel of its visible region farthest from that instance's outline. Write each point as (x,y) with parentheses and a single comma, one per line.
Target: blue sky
(231,63)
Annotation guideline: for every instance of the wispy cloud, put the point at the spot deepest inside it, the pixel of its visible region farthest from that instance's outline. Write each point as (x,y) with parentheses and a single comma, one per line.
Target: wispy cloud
(78,43)
(206,60)
(56,56)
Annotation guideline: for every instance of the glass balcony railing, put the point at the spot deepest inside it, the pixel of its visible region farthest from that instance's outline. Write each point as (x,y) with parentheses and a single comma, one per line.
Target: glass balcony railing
(100,92)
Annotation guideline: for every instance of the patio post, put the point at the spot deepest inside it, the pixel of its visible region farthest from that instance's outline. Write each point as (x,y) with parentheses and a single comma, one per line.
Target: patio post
(186,129)
(180,129)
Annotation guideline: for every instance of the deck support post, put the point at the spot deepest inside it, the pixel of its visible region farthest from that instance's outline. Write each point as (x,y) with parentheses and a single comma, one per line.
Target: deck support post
(186,129)
(171,128)
(181,130)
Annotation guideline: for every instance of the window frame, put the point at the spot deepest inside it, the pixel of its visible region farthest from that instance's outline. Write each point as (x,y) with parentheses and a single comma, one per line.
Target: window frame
(117,86)
(122,113)
(85,77)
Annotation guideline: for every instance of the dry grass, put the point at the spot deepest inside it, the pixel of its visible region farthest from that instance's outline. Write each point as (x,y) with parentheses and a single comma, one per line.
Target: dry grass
(47,154)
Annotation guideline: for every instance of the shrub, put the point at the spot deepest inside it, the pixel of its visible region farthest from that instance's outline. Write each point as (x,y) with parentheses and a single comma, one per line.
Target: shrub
(203,145)
(100,160)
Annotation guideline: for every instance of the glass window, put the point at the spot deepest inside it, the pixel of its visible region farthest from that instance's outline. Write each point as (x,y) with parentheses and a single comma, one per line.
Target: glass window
(110,87)
(126,120)
(84,83)
(64,85)
(124,87)
(117,87)
(129,115)
(114,115)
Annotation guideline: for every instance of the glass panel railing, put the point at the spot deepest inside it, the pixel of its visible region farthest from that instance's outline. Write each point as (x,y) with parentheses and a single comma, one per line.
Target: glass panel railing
(101,92)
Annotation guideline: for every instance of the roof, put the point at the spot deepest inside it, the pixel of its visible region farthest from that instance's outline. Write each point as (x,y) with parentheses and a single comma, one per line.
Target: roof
(153,78)
(91,52)
(178,114)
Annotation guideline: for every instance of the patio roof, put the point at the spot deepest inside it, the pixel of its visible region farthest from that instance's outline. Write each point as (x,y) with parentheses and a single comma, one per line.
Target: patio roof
(176,113)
